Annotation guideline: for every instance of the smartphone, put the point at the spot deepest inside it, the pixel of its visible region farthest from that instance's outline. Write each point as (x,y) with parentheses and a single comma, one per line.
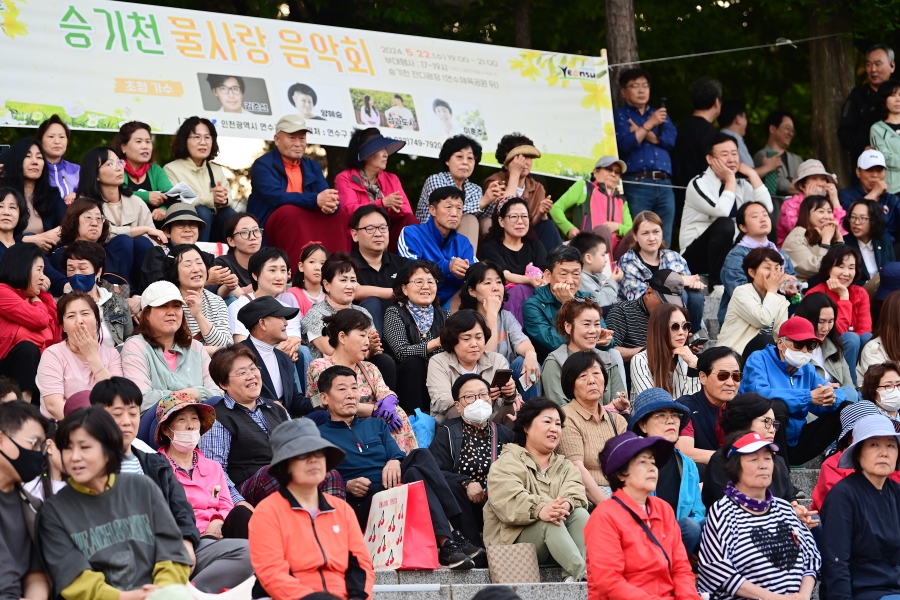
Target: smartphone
(662,102)
(501,377)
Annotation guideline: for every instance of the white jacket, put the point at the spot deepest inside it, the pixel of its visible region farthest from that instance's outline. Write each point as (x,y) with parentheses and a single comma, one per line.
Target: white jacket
(706,200)
(748,314)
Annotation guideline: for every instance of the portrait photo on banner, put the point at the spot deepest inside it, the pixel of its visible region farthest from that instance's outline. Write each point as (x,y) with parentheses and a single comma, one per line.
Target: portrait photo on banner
(452,117)
(234,94)
(312,101)
(376,108)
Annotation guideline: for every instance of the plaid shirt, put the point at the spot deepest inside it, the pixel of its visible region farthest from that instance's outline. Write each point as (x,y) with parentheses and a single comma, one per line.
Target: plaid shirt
(195,458)
(634,284)
(471,205)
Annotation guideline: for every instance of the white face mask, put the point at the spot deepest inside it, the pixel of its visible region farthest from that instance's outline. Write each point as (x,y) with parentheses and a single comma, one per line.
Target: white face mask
(890,400)
(185,441)
(478,412)
(796,358)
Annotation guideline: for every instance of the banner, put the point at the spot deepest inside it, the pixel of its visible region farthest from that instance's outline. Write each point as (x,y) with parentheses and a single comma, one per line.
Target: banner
(99,63)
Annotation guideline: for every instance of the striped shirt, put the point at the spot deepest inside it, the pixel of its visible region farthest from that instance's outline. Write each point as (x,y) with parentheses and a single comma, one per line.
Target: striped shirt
(684,380)
(131,464)
(471,204)
(584,437)
(774,550)
(629,321)
(215,310)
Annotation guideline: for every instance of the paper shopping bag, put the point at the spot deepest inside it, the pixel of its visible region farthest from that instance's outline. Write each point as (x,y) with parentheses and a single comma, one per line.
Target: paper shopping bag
(399,533)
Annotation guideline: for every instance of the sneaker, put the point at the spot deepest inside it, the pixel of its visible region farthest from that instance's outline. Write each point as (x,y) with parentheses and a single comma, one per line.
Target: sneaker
(468,548)
(451,555)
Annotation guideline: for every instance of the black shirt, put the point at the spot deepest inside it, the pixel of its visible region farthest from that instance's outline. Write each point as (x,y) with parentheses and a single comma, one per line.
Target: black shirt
(695,134)
(391,264)
(858,115)
(668,486)
(653,268)
(228,260)
(132,187)
(514,261)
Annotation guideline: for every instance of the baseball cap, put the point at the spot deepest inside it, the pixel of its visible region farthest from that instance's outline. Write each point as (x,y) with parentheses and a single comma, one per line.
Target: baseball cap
(607,161)
(290,124)
(750,443)
(159,293)
(869,159)
(262,307)
(668,285)
(798,329)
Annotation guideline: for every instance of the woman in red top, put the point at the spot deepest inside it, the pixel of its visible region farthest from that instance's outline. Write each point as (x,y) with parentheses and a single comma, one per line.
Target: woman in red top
(28,323)
(841,267)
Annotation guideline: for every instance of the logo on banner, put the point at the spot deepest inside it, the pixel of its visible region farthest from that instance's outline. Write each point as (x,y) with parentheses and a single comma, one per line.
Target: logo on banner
(588,73)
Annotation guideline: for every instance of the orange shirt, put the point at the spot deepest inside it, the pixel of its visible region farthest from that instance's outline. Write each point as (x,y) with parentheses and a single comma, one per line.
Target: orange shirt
(294,175)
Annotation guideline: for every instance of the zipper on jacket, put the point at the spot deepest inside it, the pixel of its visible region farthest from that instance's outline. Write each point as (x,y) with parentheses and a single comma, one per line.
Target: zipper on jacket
(322,550)
(358,443)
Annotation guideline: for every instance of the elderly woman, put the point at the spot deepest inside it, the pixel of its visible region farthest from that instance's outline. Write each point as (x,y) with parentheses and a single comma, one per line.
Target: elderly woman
(148,181)
(79,361)
(666,362)
(285,569)
(53,135)
(536,495)
(635,546)
(860,516)
(881,386)
(163,357)
(25,171)
(366,180)
(205,312)
(828,358)
(815,233)
(466,447)
(754,545)
(867,232)
(463,339)
(580,321)
(583,379)
(655,414)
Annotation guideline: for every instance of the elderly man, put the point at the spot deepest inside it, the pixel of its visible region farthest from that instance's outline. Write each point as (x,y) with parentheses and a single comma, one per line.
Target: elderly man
(291,198)
(860,108)
(374,463)
(779,175)
(870,173)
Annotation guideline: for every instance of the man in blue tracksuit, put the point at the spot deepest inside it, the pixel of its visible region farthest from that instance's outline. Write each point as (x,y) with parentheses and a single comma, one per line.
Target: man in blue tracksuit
(437,241)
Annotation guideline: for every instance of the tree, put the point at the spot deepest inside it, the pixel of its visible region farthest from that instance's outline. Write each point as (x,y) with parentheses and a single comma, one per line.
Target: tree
(622,46)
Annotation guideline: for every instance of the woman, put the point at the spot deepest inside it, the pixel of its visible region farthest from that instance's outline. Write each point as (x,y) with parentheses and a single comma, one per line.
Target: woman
(484,292)
(244,237)
(163,357)
(366,181)
(812,180)
(368,113)
(815,233)
(828,358)
(463,339)
(867,232)
(143,550)
(205,312)
(883,134)
(286,569)
(536,495)
(460,155)
(28,317)
(134,145)
(465,448)
(53,135)
(754,545)
(757,309)
(885,346)
(194,147)
(635,546)
(579,320)
(860,517)
(666,362)
(347,332)
(26,172)
(79,361)
(881,385)
(181,421)
(590,426)
(657,415)
(13,217)
(647,256)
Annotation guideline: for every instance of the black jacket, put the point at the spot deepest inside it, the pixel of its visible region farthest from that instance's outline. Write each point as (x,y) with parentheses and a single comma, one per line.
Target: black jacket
(296,403)
(447,446)
(157,468)
(858,115)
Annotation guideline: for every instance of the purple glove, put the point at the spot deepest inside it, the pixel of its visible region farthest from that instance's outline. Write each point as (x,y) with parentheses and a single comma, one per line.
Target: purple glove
(386,409)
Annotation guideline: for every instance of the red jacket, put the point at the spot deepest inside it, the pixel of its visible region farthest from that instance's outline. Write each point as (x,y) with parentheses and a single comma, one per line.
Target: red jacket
(830,474)
(854,311)
(21,321)
(353,194)
(624,564)
(294,555)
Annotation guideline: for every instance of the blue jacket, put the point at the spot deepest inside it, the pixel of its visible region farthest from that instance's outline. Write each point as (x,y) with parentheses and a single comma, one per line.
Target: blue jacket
(368,444)
(767,375)
(690,502)
(644,155)
(426,242)
(889,203)
(270,186)
(883,248)
(732,275)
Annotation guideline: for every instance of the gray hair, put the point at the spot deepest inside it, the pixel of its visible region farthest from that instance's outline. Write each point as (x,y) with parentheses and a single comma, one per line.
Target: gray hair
(887,50)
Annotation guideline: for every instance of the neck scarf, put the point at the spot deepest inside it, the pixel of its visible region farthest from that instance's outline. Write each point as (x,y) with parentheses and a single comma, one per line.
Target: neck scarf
(372,188)
(424,317)
(749,242)
(747,502)
(138,173)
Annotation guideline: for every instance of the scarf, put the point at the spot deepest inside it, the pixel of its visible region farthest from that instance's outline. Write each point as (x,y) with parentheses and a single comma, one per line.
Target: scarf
(372,188)
(748,242)
(747,502)
(138,173)
(424,317)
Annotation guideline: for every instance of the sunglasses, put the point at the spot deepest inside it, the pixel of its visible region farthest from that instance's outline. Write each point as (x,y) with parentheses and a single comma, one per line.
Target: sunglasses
(676,327)
(809,345)
(736,376)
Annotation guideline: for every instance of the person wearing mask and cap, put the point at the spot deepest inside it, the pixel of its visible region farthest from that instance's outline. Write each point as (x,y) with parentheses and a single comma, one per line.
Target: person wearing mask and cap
(292,188)
(782,373)
(871,171)
(366,181)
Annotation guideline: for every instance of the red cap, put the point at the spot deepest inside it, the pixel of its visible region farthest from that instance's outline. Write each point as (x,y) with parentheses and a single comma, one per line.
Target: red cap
(798,329)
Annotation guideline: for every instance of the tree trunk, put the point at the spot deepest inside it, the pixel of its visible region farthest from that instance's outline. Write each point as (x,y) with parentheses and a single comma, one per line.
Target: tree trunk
(831,79)
(621,41)
(522,18)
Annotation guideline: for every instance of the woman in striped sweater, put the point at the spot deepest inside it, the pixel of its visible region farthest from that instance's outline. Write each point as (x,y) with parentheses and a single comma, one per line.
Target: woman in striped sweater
(666,362)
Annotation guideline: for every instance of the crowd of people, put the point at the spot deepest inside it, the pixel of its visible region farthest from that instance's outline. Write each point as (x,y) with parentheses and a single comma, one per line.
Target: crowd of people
(174,413)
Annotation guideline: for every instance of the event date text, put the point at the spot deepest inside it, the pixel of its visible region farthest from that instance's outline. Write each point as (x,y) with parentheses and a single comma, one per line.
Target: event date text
(415,53)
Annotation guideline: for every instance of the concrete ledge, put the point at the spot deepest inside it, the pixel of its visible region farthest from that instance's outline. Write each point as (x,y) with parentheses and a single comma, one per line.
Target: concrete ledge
(528,591)
(445,576)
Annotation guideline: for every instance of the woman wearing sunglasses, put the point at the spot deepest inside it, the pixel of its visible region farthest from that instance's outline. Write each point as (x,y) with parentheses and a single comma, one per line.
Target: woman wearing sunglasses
(666,362)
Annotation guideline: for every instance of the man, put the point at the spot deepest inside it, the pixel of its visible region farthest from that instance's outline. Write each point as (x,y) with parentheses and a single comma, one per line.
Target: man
(720,376)
(783,373)
(860,110)
(22,439)
(629,319)
(438,241)
(293,190)
(218,563)
(304,99)
(645,136)
(695,135)
(376,463)
(711,202)
(370,229)
(400,117)
(871,169)
(229,91)
(266,320)
(733,121)
(779,175)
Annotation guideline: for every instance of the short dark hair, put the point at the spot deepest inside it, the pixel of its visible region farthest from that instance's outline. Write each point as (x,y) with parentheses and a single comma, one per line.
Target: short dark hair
(575,365)
(16,265)
(232,223)
(885,91)
(398,97)
(174,257)
(438,102)
(454,144)
(708,358)
(475,275)
(344,321)
(366,210)
(872,378)
(258,261)
(443,193)
(406,274)
(731,110)
(98,424)
(563,254)
(529,412)
(357,139)
(92,252)
(758,256)
(326,379)
(629,75)
(45,125)
(704,92)
(66,299)
(835,256)
(14,415)
(877,222)
(586,241)
(741,218)
(223,360)
(105,392)
(508,142)
(740,412)
(8,385)
(126,131)
(720,138)
(775,119)
(21,204)
(215,81)
(463,380)
(68,228)
(338,264)
(300,88)
(179,140)
(460,322)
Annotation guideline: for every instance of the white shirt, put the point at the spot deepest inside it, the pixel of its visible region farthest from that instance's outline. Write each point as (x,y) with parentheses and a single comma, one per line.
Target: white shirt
(818,357)
(868,256)
(269,359)
(287,299)
(106,338)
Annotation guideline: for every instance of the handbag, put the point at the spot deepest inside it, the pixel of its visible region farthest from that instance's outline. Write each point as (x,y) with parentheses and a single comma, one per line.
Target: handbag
(646,530)
(516,563)
(399,533)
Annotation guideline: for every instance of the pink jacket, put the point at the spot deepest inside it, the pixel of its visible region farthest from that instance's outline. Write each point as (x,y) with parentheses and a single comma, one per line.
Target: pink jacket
(353,194)
(201,491)
(790,210)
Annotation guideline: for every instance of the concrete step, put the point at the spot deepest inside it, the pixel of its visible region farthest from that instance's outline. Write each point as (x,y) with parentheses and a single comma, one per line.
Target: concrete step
(805,479)
(445,576)
(527,591)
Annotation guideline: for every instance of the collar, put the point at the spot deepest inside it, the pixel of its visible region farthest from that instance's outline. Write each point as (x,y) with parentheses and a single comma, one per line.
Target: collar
(288,164)
(584,414)
(262,347)
(84,490)
(868,245)
(192,166)
(323,503)
(105,295)
(195,462)
(385,259)
(340,424)
(483,362)
(231,403)
(431,228)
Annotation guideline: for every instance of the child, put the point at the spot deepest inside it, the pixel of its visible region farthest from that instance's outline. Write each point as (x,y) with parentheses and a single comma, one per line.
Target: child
(306,285)
(594,254)
(812,180)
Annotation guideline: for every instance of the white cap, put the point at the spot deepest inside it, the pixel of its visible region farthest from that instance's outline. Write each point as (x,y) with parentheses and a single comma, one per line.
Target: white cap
(159,293)
(869,159)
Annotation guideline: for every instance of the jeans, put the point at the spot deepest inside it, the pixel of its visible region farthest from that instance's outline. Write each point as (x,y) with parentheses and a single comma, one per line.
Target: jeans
(658,198)
(548,233)
(215,222)
(376,308)
(690,534)
(534,391)
(304,358)
(693,302)
(853,343)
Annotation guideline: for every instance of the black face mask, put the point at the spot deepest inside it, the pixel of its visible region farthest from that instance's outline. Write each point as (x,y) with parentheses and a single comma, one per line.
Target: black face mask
(29,464)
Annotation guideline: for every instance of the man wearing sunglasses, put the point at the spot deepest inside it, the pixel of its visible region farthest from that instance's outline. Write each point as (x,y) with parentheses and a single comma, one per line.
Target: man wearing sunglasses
(783,373)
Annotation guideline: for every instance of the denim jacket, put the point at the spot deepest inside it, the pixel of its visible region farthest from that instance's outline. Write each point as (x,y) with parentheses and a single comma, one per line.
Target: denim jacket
(116,315)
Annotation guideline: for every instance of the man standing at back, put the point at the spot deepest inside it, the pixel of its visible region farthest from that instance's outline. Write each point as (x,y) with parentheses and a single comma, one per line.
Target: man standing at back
(778,176)
(860,108)
(695,135)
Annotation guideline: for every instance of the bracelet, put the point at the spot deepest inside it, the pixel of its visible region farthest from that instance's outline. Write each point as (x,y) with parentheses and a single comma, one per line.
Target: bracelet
(98,370)
(645,129)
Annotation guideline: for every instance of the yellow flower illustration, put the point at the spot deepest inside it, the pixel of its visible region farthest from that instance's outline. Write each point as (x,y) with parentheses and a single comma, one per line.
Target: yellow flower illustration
(9,23)
(597,96)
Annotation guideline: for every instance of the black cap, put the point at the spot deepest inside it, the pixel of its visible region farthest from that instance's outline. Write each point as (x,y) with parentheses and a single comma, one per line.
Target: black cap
(668,285)
(263,307)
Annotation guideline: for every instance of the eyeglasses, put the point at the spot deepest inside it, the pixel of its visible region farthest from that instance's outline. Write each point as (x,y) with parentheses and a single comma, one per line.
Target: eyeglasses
(638,86)
(736,376)
(249,233)
(889,387)
(33,444)
(664,417)
(244,373)
(858,219)
(114,164)
(233,90)
(676,327)
(515,218)
(420,283)
(770,423)
(89,219)
(200,138)
(371,229)
(470,398)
